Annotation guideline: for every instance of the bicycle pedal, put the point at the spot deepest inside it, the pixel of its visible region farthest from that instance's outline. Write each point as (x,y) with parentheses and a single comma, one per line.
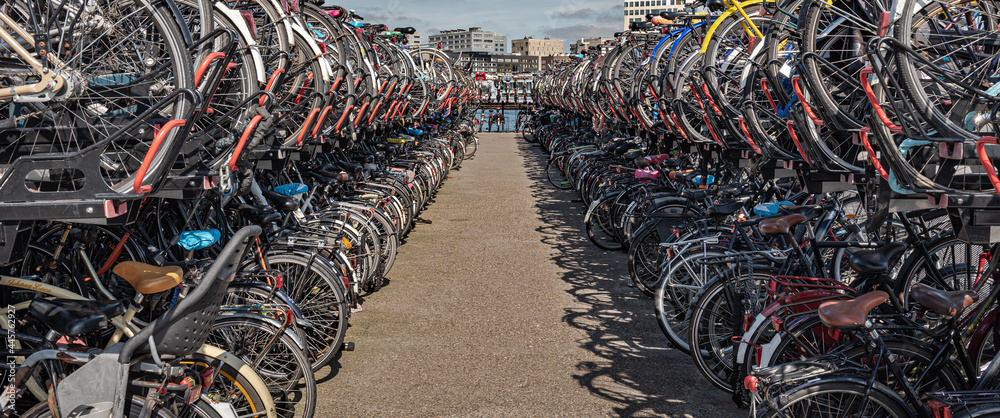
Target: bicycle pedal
(348,346)
(630,283)
(423,221)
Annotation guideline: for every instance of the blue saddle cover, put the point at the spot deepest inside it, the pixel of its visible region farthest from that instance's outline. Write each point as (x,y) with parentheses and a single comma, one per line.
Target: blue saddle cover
(697,180)
(291,189)
(769,209)
(196,240)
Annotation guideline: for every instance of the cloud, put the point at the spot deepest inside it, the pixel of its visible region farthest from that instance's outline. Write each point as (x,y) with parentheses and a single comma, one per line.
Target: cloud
(391,17)
(587,13)
(582,30)
(590,12)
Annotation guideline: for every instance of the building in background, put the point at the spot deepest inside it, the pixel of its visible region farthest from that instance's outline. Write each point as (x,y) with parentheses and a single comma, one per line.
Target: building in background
(540,47)
(474,39)
(636,11)
(583,44)
(513,64)
(496,63)
(414,39)
(476,62)
(550,61)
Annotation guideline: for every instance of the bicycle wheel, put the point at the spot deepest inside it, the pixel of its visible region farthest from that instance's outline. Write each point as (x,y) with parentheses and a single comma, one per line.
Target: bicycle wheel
(555,171)
(946,34)
(471,146)
(600,224)
(839,397)
(831,35)
(317,289)
(645,256)
(130,58)
(718,311)
(232,387)
(950,265)
(677,288)
(278,359)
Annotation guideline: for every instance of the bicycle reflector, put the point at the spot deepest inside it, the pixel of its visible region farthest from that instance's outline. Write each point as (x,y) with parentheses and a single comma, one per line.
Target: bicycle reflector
(251,24)
(939,409)
(207,377)
(750,382)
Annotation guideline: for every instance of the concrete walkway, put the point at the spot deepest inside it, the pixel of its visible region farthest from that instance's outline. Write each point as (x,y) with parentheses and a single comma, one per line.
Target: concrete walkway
(501,307)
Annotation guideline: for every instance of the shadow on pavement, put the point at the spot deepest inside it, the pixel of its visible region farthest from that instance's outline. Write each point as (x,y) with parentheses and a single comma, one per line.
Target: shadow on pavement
(636,370)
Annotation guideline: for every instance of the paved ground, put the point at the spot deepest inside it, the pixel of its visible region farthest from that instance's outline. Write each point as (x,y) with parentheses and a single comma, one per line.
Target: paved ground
(502,307)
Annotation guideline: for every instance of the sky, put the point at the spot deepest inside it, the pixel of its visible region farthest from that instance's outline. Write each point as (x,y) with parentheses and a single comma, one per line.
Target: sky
(569,20)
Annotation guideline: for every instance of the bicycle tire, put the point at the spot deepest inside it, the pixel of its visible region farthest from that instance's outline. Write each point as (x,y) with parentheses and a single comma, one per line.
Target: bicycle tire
(232,387)
(318,290)
(674,293)
(959,262)
(599,223)
(794,402)
(710,335)
(284,366)
(555,173)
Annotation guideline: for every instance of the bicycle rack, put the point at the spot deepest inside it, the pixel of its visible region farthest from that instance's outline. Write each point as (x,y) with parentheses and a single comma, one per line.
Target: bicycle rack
(88,198)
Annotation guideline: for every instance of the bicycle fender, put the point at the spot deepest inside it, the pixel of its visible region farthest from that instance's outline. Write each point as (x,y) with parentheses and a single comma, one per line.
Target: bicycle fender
(236,19)
(255,381)
(324,64)
(178,18)
(224,409)
(300,319)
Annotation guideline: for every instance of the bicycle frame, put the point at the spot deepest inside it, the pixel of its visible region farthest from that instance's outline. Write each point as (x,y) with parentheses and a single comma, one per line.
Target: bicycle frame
(124,327)
(50,81)
(747,24)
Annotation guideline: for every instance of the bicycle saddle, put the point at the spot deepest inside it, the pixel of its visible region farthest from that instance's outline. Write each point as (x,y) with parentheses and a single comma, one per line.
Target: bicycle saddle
(942,302)
(259,214)
(724,209)
(68,318)
(769,209)
(686,176)
(673,174)
(876,261)
(633,154)
(850,313)
(334,176)
(694,194)
(698,180)
(281,202)
(323,179)
(149,279)
(781,225)
(729,192)
(715,5)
